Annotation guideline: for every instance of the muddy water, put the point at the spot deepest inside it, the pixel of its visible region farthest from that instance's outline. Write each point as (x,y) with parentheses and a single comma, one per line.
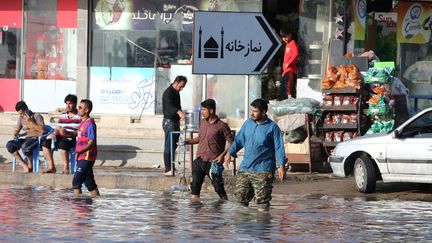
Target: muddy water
(44,214)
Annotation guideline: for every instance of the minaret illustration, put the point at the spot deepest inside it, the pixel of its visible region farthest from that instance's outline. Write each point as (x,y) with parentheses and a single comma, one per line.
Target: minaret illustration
(222,44)
(199,43)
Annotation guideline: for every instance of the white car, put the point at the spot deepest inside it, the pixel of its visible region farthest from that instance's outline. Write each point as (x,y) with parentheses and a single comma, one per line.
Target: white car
(402,155)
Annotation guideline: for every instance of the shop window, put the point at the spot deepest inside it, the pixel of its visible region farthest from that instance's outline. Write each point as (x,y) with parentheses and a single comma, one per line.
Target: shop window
(51,51)
(227,91)
(9,53)
(145,33)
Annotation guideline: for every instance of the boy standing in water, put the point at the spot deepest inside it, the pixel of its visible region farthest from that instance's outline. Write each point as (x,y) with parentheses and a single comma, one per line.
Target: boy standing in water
(86,151)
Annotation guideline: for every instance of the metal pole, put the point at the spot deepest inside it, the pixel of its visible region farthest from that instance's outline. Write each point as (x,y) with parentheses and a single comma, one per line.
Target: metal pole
(23,49)
(345,29)
(204,86)
(172,154)
(246,93)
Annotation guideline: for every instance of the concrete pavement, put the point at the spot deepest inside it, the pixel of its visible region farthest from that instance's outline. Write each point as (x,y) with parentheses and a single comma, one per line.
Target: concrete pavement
(133,178)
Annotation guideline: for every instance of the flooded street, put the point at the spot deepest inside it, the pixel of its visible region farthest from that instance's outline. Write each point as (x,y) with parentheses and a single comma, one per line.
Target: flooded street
(44,214)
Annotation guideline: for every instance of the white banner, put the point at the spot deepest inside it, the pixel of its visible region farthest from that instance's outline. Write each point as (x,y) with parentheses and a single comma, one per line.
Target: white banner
(122,90)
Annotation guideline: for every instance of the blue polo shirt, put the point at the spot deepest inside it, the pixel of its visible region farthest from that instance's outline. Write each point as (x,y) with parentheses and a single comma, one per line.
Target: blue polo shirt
(262,143)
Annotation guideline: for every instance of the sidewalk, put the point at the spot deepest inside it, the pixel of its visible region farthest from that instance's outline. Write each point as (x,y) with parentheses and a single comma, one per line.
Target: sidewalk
(134,178)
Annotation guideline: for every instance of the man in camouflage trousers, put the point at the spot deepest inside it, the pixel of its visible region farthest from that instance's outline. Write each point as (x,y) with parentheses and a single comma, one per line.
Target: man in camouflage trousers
(262,141)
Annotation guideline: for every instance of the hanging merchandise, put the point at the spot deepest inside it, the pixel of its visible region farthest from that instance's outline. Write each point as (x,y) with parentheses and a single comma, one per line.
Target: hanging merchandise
(379,75)
(380,108)
(381,102)
(380,126)
(342,77)
(296,106)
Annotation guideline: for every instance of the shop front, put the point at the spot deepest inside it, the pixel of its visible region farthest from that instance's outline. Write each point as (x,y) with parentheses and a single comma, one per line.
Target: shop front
(137,48)
(414,28)
(122,54)
(38,53)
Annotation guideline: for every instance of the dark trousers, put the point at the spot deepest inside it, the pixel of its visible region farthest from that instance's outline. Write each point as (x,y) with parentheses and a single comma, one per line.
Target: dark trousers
(200,169)
(26,145)
(84,174)
(288,86)
(169,126)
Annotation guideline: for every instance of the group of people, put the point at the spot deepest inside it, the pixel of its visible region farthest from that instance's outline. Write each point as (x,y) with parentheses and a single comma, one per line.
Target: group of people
(75,128)
(259,136)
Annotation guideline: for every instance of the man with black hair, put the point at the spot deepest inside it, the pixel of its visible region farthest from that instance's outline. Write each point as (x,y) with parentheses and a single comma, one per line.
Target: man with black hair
(214,139)
(262,141)
(34,126)
(289,67)
(65,133)
(86,150)
(172,113)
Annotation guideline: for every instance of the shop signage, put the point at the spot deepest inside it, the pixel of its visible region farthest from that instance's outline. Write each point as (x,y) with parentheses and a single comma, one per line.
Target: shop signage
(122,90)
(144,15)
(414,23)
(232,43)
(360,20)
(386,45)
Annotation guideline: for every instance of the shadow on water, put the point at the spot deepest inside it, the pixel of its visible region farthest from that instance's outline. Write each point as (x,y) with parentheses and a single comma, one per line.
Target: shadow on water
(121,153)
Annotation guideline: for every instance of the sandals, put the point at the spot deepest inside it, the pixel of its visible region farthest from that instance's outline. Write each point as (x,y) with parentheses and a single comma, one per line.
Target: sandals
(51,171)
(65,172)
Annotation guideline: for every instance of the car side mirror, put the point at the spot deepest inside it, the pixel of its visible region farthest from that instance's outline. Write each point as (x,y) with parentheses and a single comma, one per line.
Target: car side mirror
(396,134)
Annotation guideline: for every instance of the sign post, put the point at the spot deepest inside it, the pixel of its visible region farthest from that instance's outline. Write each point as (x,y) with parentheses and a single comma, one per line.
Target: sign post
(232,43)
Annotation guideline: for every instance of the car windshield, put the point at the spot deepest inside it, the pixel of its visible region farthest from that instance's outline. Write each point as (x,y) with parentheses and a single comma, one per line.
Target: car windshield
(422,124)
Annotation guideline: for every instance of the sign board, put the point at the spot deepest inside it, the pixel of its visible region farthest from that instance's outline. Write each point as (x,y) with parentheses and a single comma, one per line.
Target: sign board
(414,22)
(232,43)
(123,90)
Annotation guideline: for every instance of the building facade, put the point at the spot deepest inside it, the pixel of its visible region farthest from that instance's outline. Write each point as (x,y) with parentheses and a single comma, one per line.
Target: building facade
(122,54)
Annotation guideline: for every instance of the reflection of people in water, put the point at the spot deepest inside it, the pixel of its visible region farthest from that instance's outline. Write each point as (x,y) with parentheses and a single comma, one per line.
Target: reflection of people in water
(168,208)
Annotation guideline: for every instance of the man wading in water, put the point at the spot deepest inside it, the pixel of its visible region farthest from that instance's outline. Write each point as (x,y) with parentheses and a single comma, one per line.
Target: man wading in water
(212,147)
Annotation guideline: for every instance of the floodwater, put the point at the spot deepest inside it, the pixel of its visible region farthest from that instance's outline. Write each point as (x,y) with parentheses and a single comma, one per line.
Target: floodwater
(44,214)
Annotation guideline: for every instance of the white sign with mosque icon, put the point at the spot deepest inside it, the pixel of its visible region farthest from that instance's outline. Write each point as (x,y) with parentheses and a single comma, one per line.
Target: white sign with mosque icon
(232,43)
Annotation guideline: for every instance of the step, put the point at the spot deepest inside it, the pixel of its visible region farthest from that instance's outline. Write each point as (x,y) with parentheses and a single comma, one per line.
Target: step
(133,153)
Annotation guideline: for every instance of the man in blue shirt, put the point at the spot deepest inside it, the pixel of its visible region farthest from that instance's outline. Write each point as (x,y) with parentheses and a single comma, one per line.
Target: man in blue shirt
(263,144)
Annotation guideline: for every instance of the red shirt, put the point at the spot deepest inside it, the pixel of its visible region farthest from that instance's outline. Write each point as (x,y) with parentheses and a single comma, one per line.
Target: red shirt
(290,58)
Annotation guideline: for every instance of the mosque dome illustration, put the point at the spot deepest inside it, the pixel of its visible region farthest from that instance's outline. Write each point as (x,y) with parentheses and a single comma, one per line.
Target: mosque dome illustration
(211,48)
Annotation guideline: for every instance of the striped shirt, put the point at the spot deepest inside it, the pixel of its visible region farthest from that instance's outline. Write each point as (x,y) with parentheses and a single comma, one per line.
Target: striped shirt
(69,123)
(87,132)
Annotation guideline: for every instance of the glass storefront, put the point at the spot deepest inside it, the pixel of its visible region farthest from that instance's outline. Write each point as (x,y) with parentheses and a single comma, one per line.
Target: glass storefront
(10,53)
(51,51)
(50,65)
(415,49)
(156,35)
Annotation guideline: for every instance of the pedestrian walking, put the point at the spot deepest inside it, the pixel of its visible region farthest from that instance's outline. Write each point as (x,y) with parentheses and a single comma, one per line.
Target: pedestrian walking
(214,139)
(262,141)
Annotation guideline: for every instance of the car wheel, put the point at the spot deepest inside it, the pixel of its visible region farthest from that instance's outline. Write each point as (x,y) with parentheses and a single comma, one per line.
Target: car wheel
(364,173)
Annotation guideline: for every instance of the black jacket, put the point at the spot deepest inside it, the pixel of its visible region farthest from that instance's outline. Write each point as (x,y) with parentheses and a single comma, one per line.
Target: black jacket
(171,103)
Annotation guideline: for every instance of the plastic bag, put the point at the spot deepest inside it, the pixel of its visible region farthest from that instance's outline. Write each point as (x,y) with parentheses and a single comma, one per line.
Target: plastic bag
(297,135)
(297,106)
(379,75)
(380,126)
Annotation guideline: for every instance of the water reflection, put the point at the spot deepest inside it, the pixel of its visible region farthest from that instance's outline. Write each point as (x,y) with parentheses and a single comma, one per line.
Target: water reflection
(46,214)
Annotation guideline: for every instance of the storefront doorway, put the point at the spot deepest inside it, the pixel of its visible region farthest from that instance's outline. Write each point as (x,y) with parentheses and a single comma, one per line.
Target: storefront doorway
(281,15)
